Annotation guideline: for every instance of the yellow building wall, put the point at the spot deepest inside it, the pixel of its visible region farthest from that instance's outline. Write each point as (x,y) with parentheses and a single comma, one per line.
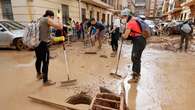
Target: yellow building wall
(21,11)
(25,11)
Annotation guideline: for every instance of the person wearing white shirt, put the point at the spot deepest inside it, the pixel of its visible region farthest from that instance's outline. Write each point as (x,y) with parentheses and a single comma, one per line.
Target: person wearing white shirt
(115,34)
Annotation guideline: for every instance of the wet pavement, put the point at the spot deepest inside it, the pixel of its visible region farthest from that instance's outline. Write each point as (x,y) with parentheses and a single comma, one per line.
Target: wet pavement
(167,81)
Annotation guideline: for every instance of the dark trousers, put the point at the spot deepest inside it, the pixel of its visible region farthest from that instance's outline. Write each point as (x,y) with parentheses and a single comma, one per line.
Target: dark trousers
(114,39)
(79,34)
(139,45)
(83,34)
(42,61)
(184,37)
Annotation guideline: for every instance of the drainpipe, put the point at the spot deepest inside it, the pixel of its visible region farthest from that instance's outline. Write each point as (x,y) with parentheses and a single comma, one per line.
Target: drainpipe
(29,2)
(80,16)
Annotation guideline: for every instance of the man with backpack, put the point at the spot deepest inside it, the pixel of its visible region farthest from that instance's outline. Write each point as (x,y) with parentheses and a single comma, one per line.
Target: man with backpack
(42,51)
(186,31)
(138,35)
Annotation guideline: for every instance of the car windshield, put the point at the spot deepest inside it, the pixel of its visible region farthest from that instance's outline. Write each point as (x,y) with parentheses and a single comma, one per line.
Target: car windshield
(12,25)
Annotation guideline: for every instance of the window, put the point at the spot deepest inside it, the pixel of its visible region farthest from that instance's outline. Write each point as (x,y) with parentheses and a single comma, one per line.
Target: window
(111,18)
(184,16)
(11,25)
(7,9)
(108,19)
(2,29)
(103,18)
(110,2)
(121,7)
(181,17)
(98,16)
(65,13)
(83,12)
(91,14)
(104,1)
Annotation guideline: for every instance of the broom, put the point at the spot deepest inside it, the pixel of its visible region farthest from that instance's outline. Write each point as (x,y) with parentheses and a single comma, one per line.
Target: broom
(69,81)
(115,74)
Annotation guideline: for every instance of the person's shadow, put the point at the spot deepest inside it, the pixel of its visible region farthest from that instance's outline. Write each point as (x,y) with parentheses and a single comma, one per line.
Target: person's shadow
(132,94)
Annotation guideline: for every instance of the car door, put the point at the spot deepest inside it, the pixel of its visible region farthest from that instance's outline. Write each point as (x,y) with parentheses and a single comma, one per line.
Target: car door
(5,37)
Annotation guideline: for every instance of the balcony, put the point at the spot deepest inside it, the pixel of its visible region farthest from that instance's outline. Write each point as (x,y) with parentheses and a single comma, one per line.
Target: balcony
(188,3)
(98,3)
(178,3)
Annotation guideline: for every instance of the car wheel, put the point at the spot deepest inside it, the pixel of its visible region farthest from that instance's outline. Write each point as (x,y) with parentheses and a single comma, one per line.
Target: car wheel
(19,44)
(168,32)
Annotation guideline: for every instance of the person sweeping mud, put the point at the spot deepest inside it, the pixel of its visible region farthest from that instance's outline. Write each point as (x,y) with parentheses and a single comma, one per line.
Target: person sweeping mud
(133,30)
(100,31)
(42,51)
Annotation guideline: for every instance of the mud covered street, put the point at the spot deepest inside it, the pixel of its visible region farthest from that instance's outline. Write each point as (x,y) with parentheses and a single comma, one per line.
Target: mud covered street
(167,81)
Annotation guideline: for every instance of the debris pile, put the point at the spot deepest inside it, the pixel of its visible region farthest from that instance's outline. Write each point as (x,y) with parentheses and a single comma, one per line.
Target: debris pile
(169,43)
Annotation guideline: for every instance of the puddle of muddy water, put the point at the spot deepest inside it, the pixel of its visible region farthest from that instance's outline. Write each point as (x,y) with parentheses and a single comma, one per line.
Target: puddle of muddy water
(32,63)
(160,71)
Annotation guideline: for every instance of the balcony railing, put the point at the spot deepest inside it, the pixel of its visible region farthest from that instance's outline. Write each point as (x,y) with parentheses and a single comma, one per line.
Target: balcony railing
(182,1)
(98,3)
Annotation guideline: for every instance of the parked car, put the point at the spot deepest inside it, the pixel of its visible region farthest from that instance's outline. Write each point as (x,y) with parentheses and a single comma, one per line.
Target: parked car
(173,27)
(11,33)
(153,27)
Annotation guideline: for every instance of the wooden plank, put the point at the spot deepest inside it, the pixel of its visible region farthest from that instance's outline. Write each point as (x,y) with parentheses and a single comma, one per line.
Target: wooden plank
(109,96)
(108,100)
(92,103)
(122,103)
(59,105)
(90,52)
(104,108)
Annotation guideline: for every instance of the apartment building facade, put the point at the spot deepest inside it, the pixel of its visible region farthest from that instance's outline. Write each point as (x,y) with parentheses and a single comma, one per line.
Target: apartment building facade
(25,11)
(159,8)
(140,7)
(178,10)
(151,8)
(188,10)
(131,5)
